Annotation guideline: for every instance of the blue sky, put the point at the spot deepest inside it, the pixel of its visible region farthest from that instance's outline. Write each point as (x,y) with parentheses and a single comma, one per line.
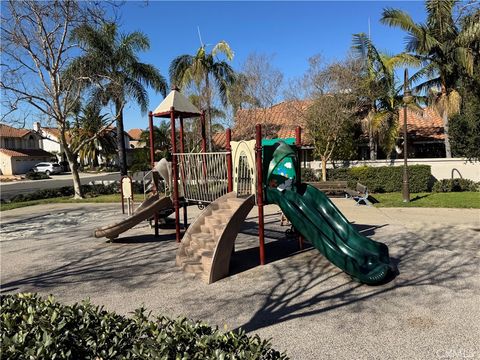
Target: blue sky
(291,31)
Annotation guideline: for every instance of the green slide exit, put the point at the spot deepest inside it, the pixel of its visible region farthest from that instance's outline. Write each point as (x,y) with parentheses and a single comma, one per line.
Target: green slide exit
(319,221)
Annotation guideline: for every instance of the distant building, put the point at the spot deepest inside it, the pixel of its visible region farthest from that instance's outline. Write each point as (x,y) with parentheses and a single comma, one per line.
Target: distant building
(425,129)
(20,150)
(135,138)
(51,140)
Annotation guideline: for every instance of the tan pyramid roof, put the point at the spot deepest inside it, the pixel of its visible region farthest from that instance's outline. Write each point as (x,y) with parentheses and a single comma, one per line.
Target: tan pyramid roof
(183,106)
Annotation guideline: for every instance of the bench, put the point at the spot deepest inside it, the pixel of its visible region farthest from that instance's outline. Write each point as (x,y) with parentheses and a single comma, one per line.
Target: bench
(332,187)
(359,194)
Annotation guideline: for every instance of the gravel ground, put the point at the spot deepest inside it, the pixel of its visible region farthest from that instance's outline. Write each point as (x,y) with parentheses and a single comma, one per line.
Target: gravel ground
(308,307)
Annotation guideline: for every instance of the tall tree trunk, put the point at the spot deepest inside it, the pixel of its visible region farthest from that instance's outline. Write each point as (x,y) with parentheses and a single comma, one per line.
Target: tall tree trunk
(324,168)
(209,113)
(122,155)
(448,149)
(72,162)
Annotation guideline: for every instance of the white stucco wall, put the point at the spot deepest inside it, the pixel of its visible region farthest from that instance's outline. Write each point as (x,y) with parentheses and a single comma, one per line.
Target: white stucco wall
(441,168)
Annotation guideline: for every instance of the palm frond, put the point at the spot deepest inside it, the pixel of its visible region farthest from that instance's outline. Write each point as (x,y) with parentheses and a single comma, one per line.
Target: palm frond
(222,47)
(178,67)
(465,58)
(224,77)
(149,75)
(427,85)
(136,90)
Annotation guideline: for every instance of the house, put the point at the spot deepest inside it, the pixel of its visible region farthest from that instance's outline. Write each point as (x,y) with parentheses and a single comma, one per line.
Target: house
(51,140)
(424,129)
(20,150)
(135,138)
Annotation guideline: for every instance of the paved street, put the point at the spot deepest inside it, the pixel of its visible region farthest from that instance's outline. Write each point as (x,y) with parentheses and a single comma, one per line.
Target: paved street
(8,190)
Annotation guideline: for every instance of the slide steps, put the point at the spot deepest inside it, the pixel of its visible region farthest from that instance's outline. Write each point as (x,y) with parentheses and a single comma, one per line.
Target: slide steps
(206,247)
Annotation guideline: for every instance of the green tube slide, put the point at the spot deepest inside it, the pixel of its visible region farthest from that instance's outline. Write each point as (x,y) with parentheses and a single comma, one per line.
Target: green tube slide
(319,221)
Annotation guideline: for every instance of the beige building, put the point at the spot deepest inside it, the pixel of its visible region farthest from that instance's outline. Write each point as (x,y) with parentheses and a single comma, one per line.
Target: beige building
(20,150)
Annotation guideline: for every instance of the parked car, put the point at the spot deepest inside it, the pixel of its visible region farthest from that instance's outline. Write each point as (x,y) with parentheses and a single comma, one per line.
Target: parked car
(48,168)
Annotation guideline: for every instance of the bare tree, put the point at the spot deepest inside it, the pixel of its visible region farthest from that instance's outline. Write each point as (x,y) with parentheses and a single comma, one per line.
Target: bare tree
(35,52)
(258,87)
(335,92)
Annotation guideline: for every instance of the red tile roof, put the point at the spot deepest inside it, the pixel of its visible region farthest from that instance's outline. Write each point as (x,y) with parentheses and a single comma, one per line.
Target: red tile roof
(277,121)
(427,125)
(8,131)
(219,140)
(281,120)
(135,133)
(25,152)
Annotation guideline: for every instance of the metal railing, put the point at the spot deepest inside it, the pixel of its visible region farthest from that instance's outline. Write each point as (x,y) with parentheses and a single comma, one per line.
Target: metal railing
(203,176)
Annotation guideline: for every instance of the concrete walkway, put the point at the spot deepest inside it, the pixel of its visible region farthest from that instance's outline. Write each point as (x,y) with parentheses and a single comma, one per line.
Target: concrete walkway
(307,306)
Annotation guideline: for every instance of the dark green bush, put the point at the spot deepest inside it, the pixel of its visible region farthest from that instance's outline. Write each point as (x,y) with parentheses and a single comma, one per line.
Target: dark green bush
(32,175)
(38,328)
(309,174)
(455,185)
(89,190)
(385,178)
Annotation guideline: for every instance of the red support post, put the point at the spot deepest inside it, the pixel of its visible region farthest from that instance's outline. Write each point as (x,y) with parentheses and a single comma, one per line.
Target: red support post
(258,160)
(228,147)
(182,150)
(182,145)
(152,142)
(176,204)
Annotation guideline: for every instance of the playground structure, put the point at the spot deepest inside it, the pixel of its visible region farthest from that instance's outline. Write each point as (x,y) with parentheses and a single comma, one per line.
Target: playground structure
(229,183)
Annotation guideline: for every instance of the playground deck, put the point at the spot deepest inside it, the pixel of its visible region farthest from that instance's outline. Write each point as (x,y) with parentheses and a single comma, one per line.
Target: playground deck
(307,306)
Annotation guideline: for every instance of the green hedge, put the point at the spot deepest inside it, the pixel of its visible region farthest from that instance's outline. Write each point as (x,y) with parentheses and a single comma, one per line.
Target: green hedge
(385,178)
(38,328)
(32,175)
(309,174)
(455,185)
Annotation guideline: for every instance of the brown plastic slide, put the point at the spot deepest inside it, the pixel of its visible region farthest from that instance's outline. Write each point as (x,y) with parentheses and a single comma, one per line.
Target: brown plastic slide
(146,210)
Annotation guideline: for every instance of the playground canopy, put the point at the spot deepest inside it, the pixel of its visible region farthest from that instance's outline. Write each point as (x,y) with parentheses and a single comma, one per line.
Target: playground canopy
(183,106)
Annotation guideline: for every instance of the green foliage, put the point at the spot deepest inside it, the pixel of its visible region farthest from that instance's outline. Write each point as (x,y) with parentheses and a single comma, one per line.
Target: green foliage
(88,190)
(309,175)
(38,328)
(465,200)
(88,138)
(455,185)
(141,160)
(32,175)
(465,127)
(112,59)
(385,178)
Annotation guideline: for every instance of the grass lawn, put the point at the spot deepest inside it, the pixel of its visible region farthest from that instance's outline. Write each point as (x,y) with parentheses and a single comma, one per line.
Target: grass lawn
(443,200)
(113,198)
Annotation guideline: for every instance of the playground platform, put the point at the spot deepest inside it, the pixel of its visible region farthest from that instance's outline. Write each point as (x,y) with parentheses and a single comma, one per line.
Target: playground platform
(307,306)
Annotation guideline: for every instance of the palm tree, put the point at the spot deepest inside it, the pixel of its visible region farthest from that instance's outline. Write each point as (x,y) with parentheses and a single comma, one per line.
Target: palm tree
(161,138)
(89,123)
(111,59)
(203,69)
(446,50)
(383,96)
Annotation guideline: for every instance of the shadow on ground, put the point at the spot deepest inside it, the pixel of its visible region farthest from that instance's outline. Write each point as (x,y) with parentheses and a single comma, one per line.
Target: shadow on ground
(294,294)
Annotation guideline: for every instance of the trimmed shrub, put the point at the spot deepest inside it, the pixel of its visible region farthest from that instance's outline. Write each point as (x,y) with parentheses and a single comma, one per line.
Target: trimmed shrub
(38,328)
(32,175)
(88,190)
(385,178)
(309,175)
(455,185)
